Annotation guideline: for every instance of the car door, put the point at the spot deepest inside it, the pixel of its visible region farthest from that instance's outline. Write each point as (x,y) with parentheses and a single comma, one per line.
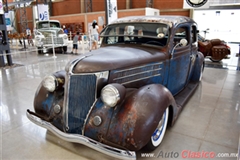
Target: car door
(180,60)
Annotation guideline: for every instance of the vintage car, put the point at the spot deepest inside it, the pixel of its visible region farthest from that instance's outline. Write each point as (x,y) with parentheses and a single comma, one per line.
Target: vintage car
(214,49)
(49,34)
(121,97)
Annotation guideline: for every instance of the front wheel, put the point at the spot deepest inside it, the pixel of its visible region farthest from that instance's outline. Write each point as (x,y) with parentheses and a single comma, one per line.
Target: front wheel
(159,133)
(64,49)
(39,49)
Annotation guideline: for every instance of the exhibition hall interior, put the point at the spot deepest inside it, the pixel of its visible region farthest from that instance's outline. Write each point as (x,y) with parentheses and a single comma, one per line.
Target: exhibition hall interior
(120,79)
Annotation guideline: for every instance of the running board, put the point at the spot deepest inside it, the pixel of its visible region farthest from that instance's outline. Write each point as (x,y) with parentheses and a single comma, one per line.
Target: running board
(183,97)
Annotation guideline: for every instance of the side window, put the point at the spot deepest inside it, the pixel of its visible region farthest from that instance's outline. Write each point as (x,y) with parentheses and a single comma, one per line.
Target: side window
(181,32)
(194,34)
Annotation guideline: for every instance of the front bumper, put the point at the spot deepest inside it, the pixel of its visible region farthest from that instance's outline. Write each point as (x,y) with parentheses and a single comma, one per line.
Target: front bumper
(51,45)
(108,150)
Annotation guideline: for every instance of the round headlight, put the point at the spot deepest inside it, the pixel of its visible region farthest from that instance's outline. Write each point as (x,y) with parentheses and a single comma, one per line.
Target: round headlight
(37,38)
(65,36)
(112,94)
(50,83)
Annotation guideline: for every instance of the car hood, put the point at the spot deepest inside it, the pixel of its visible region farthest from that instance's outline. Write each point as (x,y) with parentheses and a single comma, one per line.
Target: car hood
(113,57)
(47,31)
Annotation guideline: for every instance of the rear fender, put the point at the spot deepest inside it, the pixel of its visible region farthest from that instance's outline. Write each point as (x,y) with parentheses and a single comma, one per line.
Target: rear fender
(197,67)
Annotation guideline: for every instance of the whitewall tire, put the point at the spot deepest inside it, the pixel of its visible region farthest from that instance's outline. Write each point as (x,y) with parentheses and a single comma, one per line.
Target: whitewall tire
(159,133)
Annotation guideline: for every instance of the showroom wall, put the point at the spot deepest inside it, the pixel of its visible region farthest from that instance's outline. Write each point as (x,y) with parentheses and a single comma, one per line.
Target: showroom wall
(74,7)
(87,18)
(222,23)
(72,11)
(138,8)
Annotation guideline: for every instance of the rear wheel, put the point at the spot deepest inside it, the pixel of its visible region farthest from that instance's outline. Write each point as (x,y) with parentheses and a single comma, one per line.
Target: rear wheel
(159,133)
(201,72)
(198,72)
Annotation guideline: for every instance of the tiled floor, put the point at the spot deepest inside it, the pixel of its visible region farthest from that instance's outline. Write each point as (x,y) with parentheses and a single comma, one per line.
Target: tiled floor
(209,123)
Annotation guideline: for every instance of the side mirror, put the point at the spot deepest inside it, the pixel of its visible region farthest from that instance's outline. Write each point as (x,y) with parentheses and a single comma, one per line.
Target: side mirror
(183,42)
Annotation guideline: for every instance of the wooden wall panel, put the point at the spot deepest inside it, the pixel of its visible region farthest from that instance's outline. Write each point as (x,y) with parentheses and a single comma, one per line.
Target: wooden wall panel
(179,13)
(121,4)
(69,11)
(69,18)
(159,4)
(87,18)
(98,5)
(138,3)
(66,7)
(29,15)
(74,6)
(132,12)
(166,4)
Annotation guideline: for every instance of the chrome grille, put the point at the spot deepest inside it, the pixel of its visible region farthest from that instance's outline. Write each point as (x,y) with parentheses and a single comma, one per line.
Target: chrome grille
(81,97)
(56,40)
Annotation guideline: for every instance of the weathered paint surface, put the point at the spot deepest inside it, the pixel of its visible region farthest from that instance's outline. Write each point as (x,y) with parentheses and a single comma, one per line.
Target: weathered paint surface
(140,113)
(105,113)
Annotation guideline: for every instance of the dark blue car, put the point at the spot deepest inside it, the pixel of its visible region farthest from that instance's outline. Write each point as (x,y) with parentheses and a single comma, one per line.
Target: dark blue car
(121,97)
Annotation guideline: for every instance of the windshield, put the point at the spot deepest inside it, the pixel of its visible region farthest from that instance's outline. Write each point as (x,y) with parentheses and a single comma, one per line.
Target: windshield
(42,25)
(139,33)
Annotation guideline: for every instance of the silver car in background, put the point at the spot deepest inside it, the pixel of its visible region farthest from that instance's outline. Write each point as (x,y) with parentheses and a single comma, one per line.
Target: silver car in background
(49,34)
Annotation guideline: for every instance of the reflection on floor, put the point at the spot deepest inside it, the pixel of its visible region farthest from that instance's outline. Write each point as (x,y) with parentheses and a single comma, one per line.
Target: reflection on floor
(208,124)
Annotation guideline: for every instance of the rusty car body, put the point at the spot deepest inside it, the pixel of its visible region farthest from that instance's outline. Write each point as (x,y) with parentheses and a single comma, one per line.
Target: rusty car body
(121,97)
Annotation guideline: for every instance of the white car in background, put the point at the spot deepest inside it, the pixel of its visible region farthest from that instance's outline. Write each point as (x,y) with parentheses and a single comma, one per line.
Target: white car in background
(48,34)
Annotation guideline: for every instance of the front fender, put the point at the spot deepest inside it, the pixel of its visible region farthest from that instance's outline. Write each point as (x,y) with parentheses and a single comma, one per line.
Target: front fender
(44,102)
(131,124)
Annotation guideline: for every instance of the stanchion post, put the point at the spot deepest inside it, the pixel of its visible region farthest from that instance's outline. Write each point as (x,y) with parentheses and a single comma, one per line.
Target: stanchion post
(54,56)
(83,41)
(2,63)
(17,41)
(90,42)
